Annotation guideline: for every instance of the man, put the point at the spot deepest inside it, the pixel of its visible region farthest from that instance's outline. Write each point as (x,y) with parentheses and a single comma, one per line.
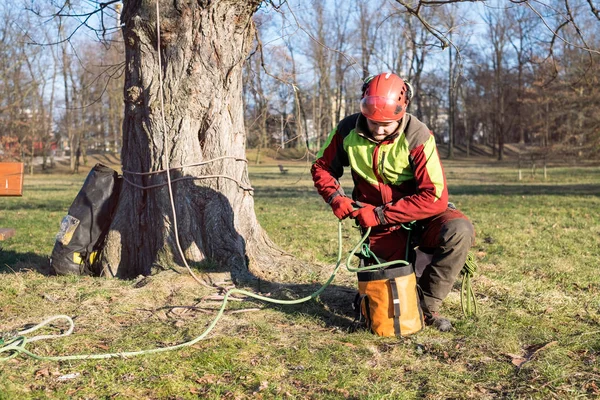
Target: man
(398,178)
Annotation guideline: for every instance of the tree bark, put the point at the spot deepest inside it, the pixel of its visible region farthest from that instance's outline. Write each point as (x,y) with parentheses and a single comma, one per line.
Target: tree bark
(203,47)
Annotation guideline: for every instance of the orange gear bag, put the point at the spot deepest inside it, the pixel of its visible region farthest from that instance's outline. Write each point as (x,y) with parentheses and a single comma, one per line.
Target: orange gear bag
(389,300)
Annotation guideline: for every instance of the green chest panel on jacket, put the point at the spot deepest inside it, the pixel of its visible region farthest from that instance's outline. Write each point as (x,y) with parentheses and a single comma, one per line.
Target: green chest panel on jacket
(392,159)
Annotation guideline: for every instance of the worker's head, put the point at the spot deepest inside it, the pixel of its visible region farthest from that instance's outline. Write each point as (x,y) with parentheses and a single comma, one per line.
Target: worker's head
(385,98)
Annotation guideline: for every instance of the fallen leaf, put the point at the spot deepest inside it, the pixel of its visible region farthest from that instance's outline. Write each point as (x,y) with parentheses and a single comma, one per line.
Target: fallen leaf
(518,361)
(206,379)
(44,372)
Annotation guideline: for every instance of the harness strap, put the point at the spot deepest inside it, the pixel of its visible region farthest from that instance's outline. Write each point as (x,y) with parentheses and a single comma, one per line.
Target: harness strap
(396,303)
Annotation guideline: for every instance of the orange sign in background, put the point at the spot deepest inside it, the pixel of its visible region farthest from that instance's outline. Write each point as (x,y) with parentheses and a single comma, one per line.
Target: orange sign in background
(11,179)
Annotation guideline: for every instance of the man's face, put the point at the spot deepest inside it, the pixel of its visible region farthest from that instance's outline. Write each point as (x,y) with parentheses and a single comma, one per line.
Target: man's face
(381,130)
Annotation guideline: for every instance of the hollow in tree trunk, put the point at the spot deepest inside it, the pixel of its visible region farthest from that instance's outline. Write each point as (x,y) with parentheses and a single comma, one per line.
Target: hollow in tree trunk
(203,46)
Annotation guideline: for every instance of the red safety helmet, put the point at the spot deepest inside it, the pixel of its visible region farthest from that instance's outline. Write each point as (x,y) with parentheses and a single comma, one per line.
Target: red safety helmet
(385,98)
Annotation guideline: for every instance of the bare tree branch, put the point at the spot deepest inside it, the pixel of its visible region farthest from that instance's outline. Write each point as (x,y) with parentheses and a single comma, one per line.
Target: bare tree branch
(555,32)
(101,6)
(594,10)
(443,2)
(415,10)
(350,59)
(434,31)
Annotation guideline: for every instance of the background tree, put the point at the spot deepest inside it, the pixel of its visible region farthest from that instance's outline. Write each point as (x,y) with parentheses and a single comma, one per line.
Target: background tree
(202,50)
(497,31)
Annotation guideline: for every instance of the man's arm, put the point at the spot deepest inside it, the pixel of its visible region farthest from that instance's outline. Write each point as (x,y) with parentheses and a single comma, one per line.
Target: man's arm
(331,160)
(329,167)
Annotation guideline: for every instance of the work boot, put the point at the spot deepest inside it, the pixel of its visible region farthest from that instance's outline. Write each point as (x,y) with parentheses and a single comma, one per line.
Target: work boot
(437,321)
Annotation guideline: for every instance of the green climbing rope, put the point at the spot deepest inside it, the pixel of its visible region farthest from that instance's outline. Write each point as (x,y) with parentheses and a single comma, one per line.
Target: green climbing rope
(468,301)
(16,345)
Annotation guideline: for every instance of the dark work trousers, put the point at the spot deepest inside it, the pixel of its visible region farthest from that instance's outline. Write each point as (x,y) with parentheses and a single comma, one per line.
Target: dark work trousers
(447,237)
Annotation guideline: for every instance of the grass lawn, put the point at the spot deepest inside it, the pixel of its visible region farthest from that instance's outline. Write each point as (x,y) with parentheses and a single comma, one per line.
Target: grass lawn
(537,334)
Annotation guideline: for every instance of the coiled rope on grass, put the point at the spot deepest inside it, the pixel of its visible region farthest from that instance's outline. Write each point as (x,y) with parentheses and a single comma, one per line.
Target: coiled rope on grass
(16,345)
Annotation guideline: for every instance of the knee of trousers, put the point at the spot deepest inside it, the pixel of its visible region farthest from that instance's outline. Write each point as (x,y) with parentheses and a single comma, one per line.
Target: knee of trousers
(458,232)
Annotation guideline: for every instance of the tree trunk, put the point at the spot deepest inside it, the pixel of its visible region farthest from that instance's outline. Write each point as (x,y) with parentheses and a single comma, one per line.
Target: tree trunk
(450,106)
(501,129)
(203,47)
(468,134)
(68,128)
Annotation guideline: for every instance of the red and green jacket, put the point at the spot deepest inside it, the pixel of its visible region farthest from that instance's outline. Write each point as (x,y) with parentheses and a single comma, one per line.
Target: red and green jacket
(402,176)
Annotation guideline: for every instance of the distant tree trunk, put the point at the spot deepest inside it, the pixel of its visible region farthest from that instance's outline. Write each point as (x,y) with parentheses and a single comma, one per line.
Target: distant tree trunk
(468,134)
(450,106)
(50,119)
(367,37)
(300,119)
(67,120)
(203,47)
(419,53)
(501,127)
(32,155)
(261,105)
(546,124)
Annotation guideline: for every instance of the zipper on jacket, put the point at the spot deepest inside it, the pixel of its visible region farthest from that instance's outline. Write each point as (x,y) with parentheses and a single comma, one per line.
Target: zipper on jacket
(376,163)
(384,189)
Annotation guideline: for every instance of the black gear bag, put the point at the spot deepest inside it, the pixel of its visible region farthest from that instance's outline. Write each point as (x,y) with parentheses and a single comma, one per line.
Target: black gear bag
(83,230)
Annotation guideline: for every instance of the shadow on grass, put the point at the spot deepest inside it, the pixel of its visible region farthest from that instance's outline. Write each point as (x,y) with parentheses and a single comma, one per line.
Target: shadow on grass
(473,190)
(46,205)
(333,306)
(57,188)
(527,189)
(11,262)
(275,177)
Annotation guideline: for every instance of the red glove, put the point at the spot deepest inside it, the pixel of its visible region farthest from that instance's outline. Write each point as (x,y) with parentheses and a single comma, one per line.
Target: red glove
(342,206)
(365,216)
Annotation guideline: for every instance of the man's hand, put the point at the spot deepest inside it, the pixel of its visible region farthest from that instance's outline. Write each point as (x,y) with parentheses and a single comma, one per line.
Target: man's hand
(342,206)
(365,216)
